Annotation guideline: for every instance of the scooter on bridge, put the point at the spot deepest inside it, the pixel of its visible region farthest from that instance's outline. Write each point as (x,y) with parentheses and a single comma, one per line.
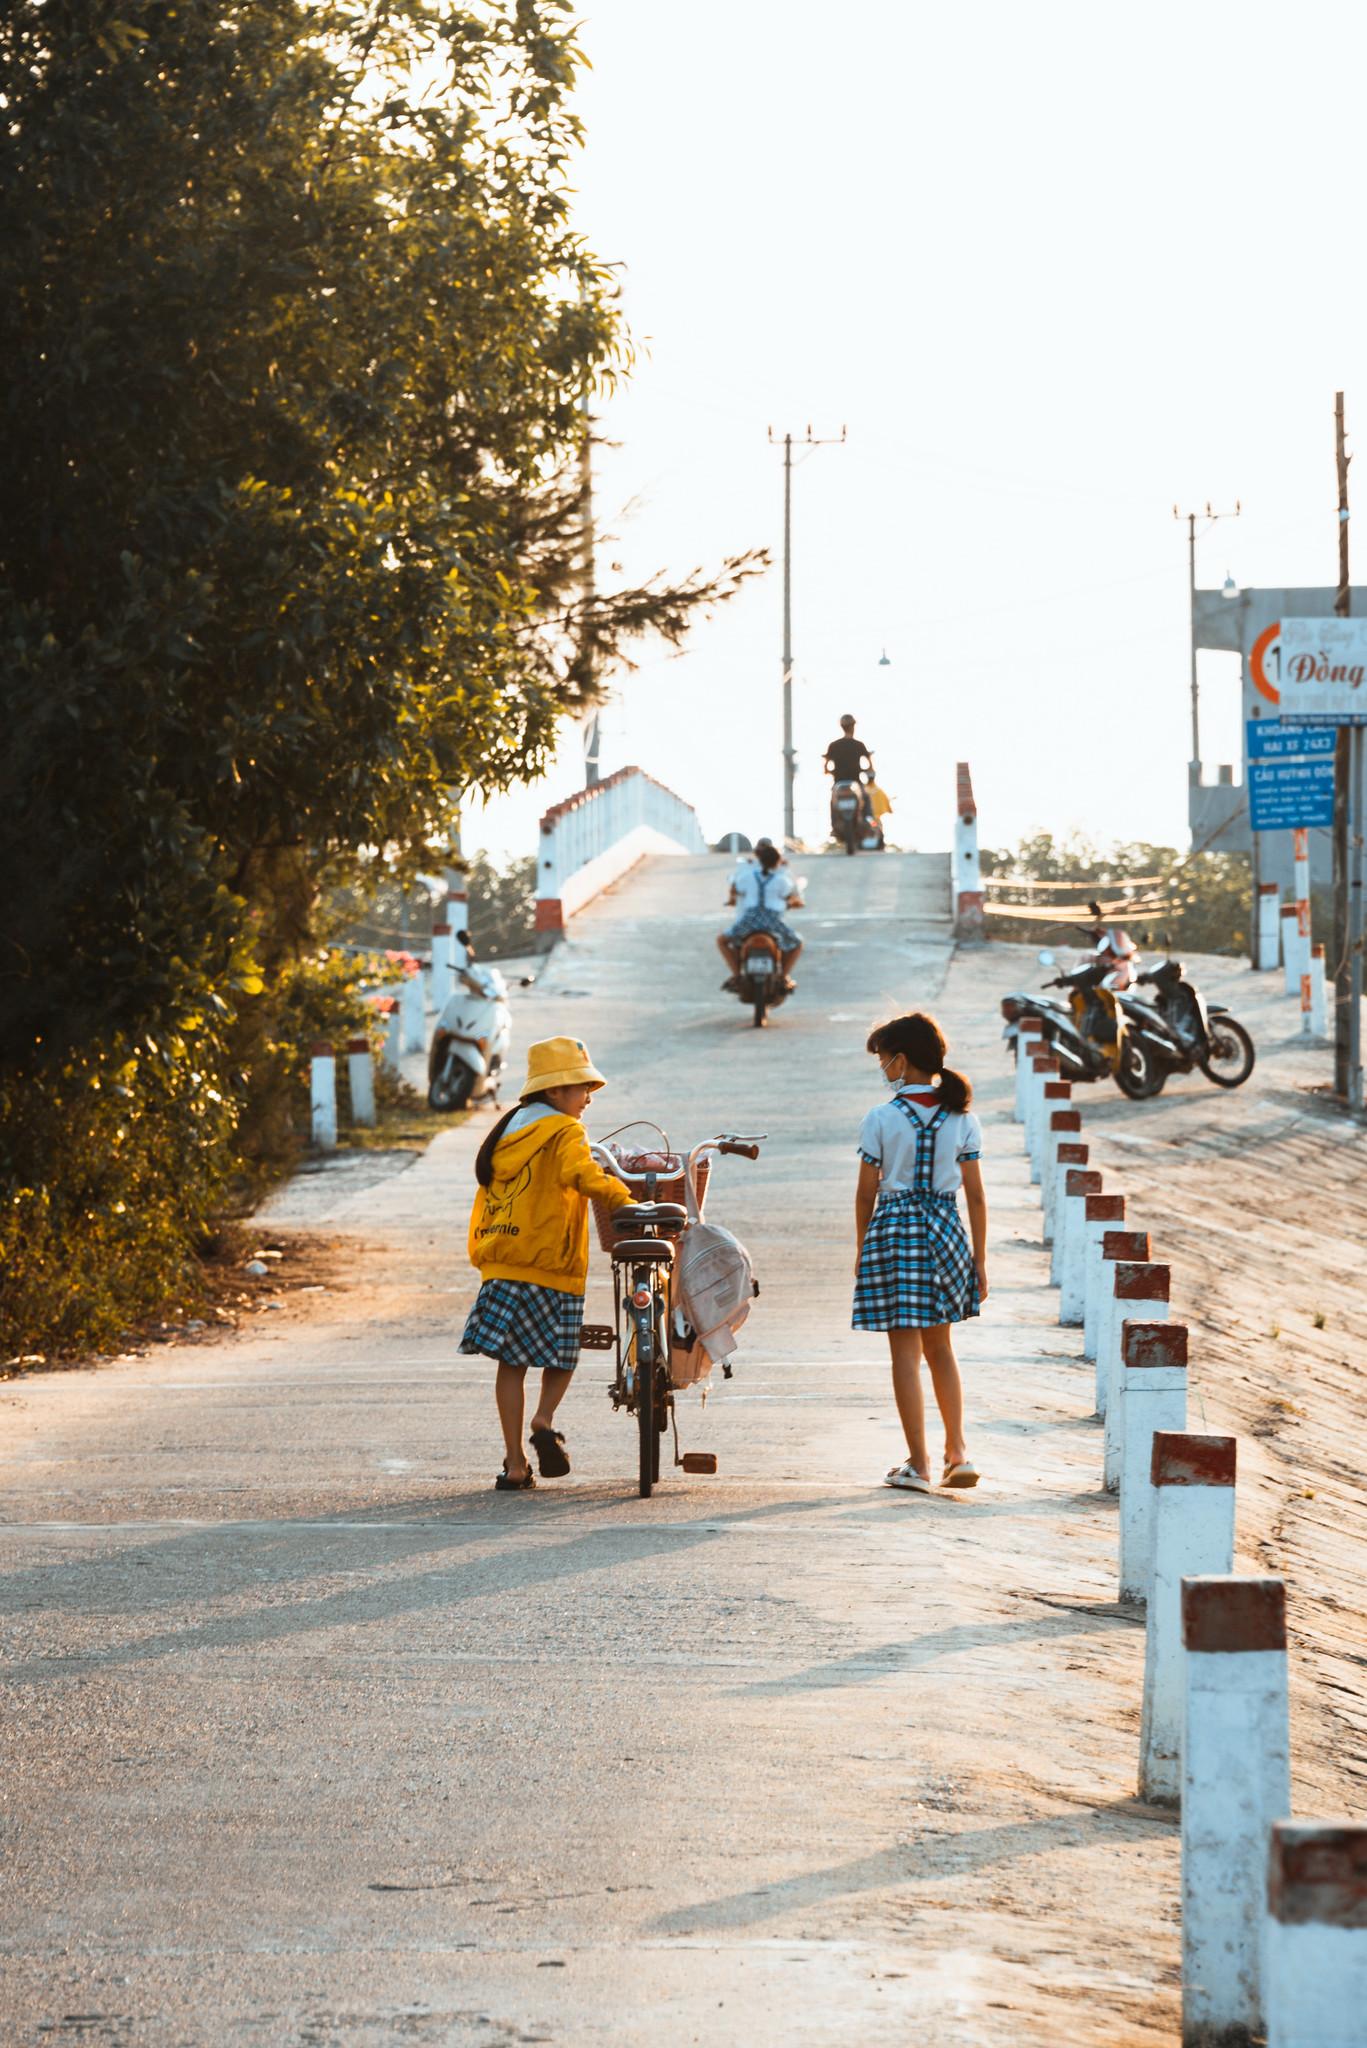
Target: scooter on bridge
(1186,1031)
(853,824)
(471,1037)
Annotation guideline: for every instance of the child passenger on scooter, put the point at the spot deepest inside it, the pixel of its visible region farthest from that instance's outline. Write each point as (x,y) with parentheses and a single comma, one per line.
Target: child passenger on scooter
(915,1275)
(529,1237)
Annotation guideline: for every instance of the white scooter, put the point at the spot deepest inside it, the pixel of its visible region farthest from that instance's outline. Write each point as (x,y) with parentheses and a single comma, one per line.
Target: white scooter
(472,1036)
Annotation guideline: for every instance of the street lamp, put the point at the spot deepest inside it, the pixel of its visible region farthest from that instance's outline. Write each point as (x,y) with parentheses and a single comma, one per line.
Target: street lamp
(884,660)
(1229,588)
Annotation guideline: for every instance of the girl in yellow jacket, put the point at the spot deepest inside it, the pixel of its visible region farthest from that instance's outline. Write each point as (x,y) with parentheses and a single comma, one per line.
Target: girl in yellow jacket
(529,1237)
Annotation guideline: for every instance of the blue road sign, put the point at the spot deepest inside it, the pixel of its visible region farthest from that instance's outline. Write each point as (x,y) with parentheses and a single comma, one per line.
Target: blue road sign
(1290,774)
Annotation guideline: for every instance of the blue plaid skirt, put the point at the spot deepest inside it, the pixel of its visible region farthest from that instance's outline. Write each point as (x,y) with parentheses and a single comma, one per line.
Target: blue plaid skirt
(521,1324)
(765,921)
(916,1269)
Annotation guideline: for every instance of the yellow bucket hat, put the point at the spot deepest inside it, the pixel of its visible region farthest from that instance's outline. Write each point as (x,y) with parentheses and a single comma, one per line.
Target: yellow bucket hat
(560,1063)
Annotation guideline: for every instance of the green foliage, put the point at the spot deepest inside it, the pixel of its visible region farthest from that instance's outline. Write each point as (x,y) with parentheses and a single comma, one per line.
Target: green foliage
(1200,902)
(313,998)
(131,1149)
(296,331)
(502,907)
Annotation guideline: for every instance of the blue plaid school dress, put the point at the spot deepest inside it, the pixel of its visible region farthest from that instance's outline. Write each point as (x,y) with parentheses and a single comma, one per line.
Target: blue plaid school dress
(519,1323)
(916,1269)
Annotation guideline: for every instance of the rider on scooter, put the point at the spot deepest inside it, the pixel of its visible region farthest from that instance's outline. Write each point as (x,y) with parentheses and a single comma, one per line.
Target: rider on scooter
(847,760)
(762,891)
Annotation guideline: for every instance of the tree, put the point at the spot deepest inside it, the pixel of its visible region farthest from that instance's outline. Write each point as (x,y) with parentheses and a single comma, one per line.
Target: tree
(296,328)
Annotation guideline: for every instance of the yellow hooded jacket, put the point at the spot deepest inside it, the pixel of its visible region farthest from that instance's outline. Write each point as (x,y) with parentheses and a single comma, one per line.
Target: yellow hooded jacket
(532,1221)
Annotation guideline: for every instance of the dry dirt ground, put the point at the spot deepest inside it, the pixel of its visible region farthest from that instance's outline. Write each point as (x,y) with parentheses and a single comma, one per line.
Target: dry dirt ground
(314,1739)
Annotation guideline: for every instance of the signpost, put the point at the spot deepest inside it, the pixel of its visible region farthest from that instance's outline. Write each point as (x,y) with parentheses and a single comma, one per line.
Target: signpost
(1290,774)
(1324,681)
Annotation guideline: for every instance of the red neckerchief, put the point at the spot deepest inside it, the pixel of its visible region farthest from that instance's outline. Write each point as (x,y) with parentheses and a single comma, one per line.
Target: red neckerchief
(927,1100)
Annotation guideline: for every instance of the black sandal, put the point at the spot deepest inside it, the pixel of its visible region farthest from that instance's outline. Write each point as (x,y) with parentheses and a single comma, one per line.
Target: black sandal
(503,1484)
(551,1456)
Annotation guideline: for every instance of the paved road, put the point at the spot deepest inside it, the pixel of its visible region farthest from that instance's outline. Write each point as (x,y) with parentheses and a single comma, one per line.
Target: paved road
(315,1739)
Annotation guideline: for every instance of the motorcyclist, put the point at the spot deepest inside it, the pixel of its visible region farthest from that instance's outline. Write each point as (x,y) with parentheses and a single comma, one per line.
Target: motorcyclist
(849,760)
(762,890)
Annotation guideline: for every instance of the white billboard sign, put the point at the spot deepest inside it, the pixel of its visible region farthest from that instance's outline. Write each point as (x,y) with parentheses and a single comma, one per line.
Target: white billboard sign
(1323,672)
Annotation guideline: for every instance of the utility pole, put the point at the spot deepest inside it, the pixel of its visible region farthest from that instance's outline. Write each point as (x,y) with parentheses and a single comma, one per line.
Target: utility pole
(1191,519)
(588,583)
(1344,754)
(810,440)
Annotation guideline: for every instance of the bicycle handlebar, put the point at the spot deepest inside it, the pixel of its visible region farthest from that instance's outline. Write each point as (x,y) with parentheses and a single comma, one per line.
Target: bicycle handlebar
(742,1151)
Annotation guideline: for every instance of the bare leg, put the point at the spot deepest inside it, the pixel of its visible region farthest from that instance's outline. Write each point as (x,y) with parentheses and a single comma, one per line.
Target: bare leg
(790,961)
(905,1346)
(555,1384)
(508,1389)
(729,953)
(949,1392)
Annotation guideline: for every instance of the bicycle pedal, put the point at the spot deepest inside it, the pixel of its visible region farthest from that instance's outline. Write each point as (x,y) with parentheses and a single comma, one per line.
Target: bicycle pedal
(597,1337)
(699,1461)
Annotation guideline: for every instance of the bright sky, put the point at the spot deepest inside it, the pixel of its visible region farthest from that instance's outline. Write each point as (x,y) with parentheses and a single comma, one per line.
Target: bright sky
(1056,268)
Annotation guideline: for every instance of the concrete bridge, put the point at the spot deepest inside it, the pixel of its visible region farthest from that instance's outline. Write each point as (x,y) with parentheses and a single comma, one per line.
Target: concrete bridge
(313,1738)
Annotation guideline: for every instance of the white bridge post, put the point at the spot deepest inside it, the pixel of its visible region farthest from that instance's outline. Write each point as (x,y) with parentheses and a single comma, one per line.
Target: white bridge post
(1078,1182)
(1236,1781)
(323,1096)
(1268,936)
(1153,1396)
(361,1080)
(1315,1935)
(1102,1213)
(1130,1247)
(1028,1042)
(1079,1189)
(1044,1067)
(1062,1145)
(969,920)
(1141,1292)
(1193,1535)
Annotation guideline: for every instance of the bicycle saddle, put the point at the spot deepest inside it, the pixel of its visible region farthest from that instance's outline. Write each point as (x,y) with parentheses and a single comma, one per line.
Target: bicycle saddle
(649,1215)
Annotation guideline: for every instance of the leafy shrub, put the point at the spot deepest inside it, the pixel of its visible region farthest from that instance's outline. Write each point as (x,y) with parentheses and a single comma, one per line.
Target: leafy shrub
(1201,902)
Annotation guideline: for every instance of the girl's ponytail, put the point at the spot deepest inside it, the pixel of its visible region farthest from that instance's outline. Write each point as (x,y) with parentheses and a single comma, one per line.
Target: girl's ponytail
(955,1090)
(484,1158)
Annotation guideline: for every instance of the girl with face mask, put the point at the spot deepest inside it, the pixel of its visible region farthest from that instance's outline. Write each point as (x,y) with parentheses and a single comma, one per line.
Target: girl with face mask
(916,1274)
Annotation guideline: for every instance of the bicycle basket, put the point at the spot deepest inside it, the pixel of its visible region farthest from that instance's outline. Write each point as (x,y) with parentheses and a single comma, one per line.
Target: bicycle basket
(652,1177)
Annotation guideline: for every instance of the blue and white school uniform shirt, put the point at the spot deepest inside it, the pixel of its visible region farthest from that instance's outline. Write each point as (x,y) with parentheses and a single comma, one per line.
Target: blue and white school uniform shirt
(887,1141)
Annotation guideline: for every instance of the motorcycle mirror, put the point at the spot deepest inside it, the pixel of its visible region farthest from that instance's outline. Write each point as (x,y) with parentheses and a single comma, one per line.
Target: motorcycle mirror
(527,981)
(1047,959)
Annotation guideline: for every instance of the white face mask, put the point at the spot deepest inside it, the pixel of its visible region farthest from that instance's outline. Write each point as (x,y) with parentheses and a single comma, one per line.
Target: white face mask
(893,1084)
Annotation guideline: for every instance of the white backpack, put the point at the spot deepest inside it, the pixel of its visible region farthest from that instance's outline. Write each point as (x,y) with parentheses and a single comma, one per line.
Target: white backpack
(713,1286)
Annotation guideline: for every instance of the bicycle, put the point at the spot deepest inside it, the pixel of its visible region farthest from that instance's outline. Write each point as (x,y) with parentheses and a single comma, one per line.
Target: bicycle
(640,1334)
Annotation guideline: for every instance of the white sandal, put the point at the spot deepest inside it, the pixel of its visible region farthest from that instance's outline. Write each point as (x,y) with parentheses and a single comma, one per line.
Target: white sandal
(965,1473)
(907,1478)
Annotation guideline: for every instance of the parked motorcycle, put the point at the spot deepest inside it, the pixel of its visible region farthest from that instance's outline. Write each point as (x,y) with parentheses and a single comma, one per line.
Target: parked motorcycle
(1089,1035)
(1197,1033)
(471,1038)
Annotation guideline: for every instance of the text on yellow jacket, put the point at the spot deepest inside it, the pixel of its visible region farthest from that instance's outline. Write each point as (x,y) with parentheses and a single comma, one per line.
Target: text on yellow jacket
(532,1221)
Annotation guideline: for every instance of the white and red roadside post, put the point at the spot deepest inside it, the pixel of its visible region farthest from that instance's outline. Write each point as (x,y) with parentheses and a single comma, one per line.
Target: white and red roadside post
(1078,1189)
(1291,949)
(1315,1935)
(969,900)
(1236,1781)
(323,1096)
(1268,936)
(391,1052)
(1028,1041)
(1193,1536)
(1064,1129)
(1153,1396)
(360,1080)
(1315,997)
(1043,1067)
(1140,1292)
(1101,1213)
(1069,1157)
(413,1028)
(1128,1247)
(441,966)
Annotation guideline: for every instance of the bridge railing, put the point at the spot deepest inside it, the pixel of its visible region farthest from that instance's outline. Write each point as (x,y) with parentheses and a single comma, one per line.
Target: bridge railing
(594,837)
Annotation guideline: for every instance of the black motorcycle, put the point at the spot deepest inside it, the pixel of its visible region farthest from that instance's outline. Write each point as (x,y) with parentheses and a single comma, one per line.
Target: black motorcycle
(1201,1034)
